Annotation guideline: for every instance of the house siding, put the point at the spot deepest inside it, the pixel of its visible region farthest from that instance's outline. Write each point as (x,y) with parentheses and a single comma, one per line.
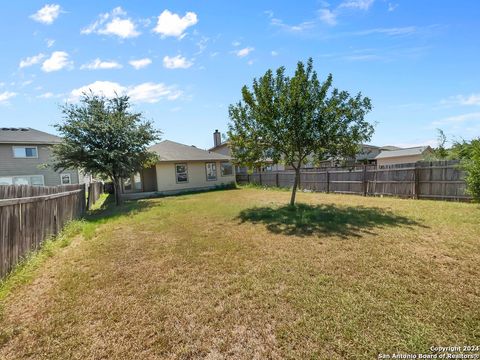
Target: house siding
(197,179)
(11,166)
(399,160)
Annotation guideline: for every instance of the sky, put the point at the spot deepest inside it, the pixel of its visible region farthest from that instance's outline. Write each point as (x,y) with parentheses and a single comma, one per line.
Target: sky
(184,62)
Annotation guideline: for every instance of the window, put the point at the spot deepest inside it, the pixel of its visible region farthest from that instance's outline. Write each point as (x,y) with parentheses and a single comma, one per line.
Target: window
(65,179)
(226,169)
(6,181)
(211,169)
(181,173)
(25,152)
(34,180)
(137,181)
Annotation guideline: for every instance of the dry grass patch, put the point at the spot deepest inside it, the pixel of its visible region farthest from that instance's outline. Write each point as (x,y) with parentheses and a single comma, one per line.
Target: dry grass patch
(235,274)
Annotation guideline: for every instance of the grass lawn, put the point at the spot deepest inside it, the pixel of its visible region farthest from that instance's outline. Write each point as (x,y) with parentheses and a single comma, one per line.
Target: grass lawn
(236,274)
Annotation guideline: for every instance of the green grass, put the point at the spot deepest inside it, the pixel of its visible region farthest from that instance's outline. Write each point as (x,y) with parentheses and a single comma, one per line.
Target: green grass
(238,274)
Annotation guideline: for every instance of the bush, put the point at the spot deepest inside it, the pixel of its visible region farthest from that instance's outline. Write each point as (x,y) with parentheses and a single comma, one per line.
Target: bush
(471,165)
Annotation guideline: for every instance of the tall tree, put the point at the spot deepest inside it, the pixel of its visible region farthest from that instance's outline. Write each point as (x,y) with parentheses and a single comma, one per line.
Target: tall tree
(289,119)
(104,137)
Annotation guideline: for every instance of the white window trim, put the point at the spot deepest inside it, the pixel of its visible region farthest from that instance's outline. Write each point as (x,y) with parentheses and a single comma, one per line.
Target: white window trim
(24,147)
(206,172)
(186,172)
(69,179)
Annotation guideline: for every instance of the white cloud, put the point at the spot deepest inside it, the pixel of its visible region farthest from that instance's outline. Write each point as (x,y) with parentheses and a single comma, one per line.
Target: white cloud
(140,63)
(244,52)
(47,95)
(104,88)
(151,92)
(274,53)
(47,14)
(458,119)
(50,42)
(6,95)
(292,28)
(392,6)
(473,99)
(236,43)
(327,16)
(146,92)
(395,31)
(57,61)
(98,64)
(171,24)
(176,62)
(32,60)
(113,23)
(357,4)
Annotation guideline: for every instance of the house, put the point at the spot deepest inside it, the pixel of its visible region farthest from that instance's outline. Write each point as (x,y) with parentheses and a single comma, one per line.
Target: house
(403,156)
(224,149)
(25,159)
(365,156)
(182,168)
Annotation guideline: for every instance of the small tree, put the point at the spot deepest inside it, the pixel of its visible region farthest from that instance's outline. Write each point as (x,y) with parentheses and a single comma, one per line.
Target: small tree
(469,154)
(104,137)
(289,119)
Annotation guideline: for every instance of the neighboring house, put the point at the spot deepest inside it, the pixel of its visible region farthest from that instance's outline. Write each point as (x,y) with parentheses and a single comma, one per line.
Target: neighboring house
(25,159)
(366,155)
(403,156)
(224,149)
(182,168)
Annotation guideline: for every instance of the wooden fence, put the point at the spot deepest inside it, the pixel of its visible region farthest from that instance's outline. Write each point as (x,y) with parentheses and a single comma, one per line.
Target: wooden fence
(95,189)
(423,180)
(31,214)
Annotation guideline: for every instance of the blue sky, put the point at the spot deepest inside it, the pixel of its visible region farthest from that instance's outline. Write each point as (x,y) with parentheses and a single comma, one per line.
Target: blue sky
(184,62)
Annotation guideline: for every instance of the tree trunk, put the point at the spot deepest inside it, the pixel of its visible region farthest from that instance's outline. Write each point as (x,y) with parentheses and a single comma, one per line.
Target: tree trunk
(295,185)
(117,190)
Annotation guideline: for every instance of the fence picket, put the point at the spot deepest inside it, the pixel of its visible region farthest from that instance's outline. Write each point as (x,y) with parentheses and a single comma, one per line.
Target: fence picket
(31,214)
(426,180)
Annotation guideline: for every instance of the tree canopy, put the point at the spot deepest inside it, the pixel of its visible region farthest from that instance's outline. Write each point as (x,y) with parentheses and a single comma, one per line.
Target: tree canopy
(289,119)
(104,137)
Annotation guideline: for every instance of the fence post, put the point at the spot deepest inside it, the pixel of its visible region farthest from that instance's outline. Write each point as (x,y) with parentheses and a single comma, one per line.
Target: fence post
(416,178)
(328,181)
(276,180)
(365,184)
(260,177)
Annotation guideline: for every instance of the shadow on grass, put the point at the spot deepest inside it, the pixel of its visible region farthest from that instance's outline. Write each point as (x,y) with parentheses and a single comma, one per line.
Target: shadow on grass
(323,220)
(109,211)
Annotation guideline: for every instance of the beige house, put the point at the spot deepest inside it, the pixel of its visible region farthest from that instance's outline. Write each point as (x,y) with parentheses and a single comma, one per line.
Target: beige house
(403,156)
(182,168)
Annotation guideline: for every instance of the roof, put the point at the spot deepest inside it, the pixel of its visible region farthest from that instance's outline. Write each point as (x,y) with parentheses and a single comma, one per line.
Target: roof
(225,143)
(390,147)
(173,151)
(418,150)
(11,135)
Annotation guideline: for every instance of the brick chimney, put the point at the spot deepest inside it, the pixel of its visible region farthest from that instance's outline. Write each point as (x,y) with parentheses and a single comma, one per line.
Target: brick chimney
(217,138)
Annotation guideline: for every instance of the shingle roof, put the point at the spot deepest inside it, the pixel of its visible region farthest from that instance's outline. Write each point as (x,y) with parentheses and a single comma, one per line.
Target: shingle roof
(225,143)
(10,135)
(418,150)
(173,151)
